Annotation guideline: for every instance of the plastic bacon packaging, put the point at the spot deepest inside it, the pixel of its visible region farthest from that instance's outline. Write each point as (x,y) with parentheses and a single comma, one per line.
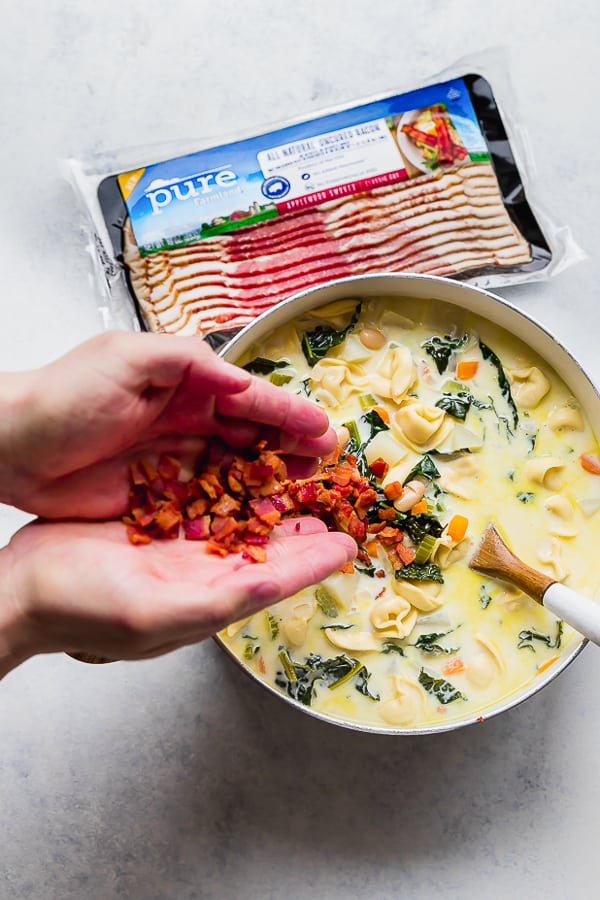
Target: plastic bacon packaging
(424,182)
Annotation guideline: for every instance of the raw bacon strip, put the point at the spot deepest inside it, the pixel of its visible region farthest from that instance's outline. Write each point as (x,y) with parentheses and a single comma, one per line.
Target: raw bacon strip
(198,295)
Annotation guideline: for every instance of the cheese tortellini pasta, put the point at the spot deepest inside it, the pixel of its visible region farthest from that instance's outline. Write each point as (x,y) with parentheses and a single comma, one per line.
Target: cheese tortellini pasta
(529,386)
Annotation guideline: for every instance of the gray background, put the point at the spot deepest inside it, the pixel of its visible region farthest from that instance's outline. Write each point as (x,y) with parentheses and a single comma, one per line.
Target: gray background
(179,778)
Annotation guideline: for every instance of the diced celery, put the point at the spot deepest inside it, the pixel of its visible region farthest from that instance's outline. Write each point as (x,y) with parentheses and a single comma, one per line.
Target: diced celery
(287,664)
(367,401)
(349,674)
(425,549)
(278,378)
(353,431)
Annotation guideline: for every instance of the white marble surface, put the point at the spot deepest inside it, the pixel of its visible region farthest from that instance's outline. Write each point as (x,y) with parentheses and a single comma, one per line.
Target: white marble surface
(178,778)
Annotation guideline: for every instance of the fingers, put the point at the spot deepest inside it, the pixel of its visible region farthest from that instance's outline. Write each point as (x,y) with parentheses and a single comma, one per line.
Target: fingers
(299,525)
(163,360)
(267,404)
(239,433)
(295,562)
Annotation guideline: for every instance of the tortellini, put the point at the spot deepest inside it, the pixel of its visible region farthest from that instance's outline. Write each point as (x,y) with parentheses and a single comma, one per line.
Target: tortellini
(550,555)
(355,641)
(512,600)
(460,476)
(283,344)
(528,386)
(406,705)
(395,374)
(545,470)
(336,313)
(424,597)
(420,426)
(566,417)
(562,514)
(333,380)
(393,616)
(486,663)
(448,551)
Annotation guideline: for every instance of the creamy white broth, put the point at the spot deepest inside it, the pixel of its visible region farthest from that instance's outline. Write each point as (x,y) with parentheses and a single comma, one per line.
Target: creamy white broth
(525,476)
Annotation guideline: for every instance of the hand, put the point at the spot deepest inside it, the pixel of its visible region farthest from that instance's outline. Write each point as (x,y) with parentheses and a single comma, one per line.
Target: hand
(68,431)
(81,586)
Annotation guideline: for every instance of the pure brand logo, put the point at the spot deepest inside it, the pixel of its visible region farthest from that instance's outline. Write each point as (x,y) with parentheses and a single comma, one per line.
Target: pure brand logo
(162,192)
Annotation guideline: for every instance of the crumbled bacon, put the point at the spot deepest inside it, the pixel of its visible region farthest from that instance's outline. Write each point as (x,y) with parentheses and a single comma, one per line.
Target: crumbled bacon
(236,498)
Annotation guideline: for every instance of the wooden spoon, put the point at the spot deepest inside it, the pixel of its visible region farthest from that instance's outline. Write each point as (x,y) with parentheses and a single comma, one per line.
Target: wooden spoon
(493,558)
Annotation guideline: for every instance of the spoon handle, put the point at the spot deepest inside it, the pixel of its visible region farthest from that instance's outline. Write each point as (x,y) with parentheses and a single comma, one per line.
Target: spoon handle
(578,611)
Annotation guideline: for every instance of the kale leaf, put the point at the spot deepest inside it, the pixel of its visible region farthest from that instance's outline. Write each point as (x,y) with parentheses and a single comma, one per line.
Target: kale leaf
(263,366)
(299,679)
(318,342)
(503,381)
(440,688)
(428,643)
(421,572)
(392,647)
(425,467)
(362,684)
(456,405)
(528,636)
(375,423)
(485,598)
(441,348)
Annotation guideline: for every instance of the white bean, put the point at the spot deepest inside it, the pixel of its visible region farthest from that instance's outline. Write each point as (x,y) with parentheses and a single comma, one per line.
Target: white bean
(343,435)
(372,338)
(413,492)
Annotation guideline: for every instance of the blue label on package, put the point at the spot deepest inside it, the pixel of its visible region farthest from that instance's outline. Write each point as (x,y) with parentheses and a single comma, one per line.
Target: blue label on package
(220,189)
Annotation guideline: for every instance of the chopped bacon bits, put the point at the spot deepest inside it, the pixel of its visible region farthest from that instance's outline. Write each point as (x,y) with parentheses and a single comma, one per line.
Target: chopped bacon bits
(236,498)
(393,490)
(223,504)
(379,467)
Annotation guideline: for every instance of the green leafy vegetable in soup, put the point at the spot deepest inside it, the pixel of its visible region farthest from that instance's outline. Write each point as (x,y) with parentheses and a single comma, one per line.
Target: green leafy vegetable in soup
(444,426)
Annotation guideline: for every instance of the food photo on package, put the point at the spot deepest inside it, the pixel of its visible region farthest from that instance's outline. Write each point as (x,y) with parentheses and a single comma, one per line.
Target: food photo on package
(423,182)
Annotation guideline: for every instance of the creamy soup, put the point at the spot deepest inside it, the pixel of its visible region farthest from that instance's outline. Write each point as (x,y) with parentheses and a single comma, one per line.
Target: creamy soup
(455,423)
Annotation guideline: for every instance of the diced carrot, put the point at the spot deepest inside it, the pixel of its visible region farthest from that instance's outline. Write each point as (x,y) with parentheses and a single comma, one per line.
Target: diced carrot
(453,666)
(382,411)
(457,527)
(420,507)
(590,463)
(348,568)
(393,490)
(466,368)
(546,665)
(371,548)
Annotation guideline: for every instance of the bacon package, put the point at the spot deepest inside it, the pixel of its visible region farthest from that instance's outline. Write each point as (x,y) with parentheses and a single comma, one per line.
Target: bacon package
(424,181)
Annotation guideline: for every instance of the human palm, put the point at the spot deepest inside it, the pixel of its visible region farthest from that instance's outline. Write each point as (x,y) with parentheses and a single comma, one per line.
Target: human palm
(83,587)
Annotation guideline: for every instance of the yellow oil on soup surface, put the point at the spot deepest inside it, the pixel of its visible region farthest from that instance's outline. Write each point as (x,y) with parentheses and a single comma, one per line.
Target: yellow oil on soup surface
(477,428)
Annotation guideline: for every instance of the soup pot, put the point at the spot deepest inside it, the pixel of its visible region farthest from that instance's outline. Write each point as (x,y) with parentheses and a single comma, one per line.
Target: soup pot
(466,298)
